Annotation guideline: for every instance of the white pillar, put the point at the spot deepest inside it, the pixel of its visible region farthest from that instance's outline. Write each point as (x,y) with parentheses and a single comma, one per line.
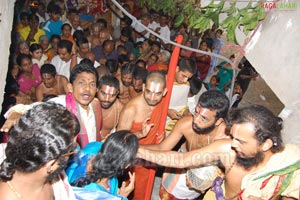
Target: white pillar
(7,15)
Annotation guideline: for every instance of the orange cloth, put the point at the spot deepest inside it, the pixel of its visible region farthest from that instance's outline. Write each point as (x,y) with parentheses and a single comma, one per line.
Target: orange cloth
(158,66)
(142,173)
(50,53)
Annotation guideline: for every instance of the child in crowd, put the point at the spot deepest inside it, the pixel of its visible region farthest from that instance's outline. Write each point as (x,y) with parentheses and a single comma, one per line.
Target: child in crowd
(53,25)
(213,83)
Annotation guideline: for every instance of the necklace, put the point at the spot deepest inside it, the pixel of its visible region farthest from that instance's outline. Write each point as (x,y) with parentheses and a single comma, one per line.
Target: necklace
(18,195)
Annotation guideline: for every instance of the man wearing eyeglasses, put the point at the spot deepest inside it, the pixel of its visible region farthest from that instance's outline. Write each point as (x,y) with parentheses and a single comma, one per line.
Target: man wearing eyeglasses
(108,91)
(200,129)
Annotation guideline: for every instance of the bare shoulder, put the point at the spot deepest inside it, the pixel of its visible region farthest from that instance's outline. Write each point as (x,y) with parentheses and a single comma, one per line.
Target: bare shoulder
(40,87)
(129,107)
(62,78)
(134,102)
(185,123)
(5,193)
(223,144)
(119,105)
(96,100)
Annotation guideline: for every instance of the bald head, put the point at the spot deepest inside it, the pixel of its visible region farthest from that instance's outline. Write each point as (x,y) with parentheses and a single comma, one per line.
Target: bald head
(155,88)
(156,77)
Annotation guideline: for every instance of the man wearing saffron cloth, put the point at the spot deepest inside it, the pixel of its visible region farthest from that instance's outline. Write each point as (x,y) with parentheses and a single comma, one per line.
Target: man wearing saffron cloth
(80,101)
(257,164)
(142,116)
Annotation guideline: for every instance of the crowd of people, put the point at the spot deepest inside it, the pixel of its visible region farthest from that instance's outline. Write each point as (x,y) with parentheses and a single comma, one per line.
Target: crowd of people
(110,72)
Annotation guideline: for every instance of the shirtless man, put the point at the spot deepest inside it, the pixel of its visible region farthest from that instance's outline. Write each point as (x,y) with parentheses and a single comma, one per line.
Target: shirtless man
(141,115)
(53,84)
(94,37)
(139,76)
(199,131)
(108,91)
(125,81)
(257,164)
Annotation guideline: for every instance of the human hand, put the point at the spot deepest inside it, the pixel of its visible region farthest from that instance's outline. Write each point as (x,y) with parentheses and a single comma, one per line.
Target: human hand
(145,128)
(12,119)
(173,114)
(125,190)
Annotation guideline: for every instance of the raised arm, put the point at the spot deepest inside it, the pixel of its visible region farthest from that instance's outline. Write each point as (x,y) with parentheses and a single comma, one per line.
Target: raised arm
(174,137)
(127,117)
(217,151)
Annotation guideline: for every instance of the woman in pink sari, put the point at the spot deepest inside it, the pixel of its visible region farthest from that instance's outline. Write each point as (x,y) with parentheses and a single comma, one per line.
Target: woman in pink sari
(29,77)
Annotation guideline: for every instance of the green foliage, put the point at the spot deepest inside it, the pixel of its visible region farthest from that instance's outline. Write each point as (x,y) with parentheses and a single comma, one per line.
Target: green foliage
(202,18)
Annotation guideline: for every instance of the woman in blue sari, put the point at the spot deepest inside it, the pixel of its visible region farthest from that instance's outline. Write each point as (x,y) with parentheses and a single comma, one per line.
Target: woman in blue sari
(96,167)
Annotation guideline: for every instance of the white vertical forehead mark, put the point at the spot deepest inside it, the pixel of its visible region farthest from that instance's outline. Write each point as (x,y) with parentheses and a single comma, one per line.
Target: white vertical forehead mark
(202,111)
(108,89)
(154,87)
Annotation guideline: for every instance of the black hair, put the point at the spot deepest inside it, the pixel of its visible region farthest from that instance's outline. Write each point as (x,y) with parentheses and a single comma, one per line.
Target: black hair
(195,85)
(102,21)
(112,65)
(110,81)
(24,15)
(187,64)
(48,69)
(65,44)
(86,61)
(117,153)
(42,134)
(141,61)
(66,24)
(267,125)
(123,58)
(34,47)
(81,41)
(21,57)
(33,16)
(78,35)
(127,68)
(126,32)
(53,8)
(55,36)
(82,67)
(72,10)
(215,100)
(140,73)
